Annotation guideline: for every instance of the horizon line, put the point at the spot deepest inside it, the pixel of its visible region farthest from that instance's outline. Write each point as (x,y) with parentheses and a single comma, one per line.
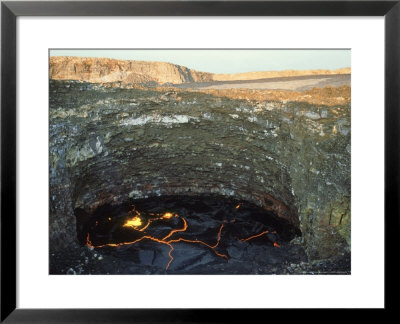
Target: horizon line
(167,62)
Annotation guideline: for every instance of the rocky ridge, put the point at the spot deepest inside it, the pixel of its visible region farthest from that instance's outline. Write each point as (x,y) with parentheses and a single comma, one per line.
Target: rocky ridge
(100,70)
(274,74)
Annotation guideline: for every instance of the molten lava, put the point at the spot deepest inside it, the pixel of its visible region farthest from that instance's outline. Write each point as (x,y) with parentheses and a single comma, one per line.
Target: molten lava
(276,244)
(177,230)
(254,236)
(136,223)
(167,215)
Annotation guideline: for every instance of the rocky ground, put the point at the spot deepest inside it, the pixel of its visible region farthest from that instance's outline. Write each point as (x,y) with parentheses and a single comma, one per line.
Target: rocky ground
(109,144)
(184,234)
(86,261)
(240,238)
(297,83)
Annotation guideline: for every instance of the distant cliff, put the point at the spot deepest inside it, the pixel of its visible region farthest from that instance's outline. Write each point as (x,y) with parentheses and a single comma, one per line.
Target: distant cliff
(111,70)
(99,70)
(276,74)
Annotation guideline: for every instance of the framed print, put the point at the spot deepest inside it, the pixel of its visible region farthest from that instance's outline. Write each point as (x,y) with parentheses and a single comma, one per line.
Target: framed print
(179,155)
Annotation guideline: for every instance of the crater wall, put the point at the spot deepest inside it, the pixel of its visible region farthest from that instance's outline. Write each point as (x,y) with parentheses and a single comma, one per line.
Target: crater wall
(111,144)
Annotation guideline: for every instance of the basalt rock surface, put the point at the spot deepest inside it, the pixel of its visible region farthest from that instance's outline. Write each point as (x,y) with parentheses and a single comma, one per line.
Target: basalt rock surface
(110,144)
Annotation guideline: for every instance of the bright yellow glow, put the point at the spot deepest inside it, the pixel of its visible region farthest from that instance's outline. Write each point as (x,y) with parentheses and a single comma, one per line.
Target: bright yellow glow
(167,215)
(169,242)
(134,222)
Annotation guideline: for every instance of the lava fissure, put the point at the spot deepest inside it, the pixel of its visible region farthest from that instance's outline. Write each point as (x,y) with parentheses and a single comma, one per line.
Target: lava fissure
(254,236)
(136,223)
(177,230)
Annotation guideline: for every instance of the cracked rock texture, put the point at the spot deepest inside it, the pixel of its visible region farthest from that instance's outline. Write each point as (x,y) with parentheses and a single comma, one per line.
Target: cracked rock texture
(109,144)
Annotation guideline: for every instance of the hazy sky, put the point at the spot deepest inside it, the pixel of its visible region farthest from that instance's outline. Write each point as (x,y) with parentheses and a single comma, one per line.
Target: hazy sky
(228,61)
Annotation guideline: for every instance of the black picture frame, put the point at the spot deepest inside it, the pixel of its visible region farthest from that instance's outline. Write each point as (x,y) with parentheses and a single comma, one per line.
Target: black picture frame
(10,10)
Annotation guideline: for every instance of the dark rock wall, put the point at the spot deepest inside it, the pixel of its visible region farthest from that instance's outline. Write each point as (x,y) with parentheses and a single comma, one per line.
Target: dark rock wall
(110,144)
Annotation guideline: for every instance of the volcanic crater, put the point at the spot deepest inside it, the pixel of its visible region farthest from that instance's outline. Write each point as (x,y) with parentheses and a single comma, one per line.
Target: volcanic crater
(175,180)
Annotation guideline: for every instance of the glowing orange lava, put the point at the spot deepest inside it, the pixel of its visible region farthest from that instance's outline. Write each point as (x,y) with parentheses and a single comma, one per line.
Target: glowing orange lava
(177,230)
(136,222)
(254,236)
(147,225)
(276,244)
(167,215)
(204,243)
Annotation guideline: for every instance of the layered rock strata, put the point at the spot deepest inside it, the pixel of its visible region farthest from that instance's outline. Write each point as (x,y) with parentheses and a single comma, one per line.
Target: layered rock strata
(108,145)
(123,71)
(133,72)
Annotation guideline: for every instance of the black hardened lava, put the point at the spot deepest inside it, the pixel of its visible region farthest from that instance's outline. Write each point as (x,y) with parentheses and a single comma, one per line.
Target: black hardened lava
(186,234)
